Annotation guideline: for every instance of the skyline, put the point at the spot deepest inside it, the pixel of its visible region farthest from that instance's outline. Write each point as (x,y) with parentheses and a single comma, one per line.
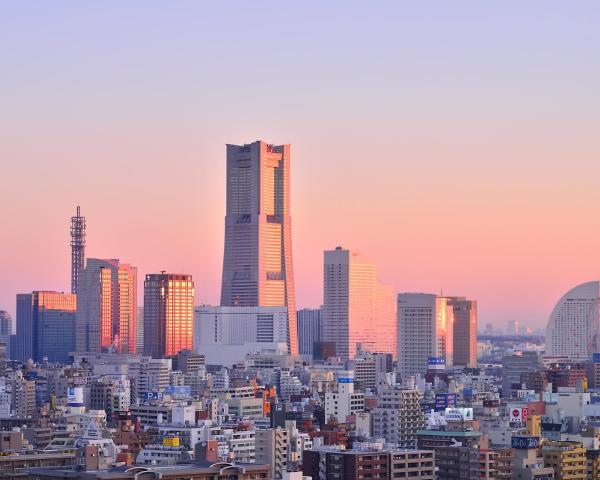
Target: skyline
(480,151)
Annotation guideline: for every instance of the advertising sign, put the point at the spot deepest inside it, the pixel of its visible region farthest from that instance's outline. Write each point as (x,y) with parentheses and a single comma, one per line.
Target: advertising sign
(463,414)
(525,442)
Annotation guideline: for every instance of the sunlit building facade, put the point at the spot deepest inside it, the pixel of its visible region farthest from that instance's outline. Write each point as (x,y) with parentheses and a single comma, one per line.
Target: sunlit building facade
(257,263)
(357,308)
(45,326)
(425,330)
(574,326)
(106,307)
(168,314)
(464,316)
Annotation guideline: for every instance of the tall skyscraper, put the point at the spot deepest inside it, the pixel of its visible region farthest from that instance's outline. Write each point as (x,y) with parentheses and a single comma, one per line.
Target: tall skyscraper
(257,263)
(464,313)
(425,330)
(357,308)
(45,326)
(77,249)
(168,314)
(574,325)
(106,307)
(310,329)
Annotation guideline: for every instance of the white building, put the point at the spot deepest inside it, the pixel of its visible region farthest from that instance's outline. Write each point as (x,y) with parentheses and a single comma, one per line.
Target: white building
(226,334)
(345,401)
(424,331)
(398,416)
(574,324)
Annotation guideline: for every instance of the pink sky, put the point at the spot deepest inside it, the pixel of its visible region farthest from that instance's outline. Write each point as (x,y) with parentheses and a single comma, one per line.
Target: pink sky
(458,157)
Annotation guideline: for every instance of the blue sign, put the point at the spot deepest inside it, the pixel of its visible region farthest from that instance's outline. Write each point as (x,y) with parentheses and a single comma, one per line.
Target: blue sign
(431,361)
(595,357)
(444,400)
(523,443)
(179,390)
(345,380)
(152,396)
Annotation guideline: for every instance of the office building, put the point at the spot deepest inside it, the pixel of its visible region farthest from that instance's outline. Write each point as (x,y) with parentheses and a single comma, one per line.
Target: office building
(168,314)
(5,323)
(257,263)
(424,331)
(514,367)
(464,313)
(357,308)
(225,335)
(310,329)
(45,326)
(139,330)
(574,326)
(106,307)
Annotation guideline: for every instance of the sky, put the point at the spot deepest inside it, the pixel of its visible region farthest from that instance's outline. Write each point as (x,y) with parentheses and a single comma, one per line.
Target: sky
(455,143)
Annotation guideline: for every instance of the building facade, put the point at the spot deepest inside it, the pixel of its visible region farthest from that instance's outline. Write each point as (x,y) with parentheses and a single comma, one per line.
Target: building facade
(424,330)
(574,326)
(464,314)
(310,329)
(45,326)
(168,314)
(357,308)
(257,263)
(106,307)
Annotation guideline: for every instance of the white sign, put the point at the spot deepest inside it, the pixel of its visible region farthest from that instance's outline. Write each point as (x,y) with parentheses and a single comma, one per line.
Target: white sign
(458,414)
(518,414)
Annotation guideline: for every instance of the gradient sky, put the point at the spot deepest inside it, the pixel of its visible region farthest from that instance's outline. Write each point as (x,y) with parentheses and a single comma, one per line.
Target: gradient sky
(456,143)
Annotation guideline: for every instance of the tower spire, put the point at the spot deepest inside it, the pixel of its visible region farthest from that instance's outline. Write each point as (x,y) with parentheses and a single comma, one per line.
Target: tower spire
(77,248)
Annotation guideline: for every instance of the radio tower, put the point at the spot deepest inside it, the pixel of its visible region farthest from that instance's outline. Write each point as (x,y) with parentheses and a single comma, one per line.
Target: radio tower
(77,249)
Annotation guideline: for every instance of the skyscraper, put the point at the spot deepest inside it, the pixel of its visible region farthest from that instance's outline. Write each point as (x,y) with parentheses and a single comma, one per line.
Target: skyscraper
(45,326)
(168,314)
(106,307)
(424,330)
(464,313)
(574,326)
(310,329)
(357,308)
(77,249)
(257,263)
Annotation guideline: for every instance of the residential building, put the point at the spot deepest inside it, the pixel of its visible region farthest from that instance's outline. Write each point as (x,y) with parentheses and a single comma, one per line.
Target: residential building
(567,459)
(398,416)
(272,449)
(257,263)
(345,401)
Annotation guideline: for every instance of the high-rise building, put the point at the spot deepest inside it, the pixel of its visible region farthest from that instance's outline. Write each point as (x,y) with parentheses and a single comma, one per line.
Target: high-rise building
(464,314)
(310,329)
(139,330)
(168,314)
(77,249)
(574,326)
(257,263)
(45,326)
(357,308)
(424,331)
(5,323)
(106,307)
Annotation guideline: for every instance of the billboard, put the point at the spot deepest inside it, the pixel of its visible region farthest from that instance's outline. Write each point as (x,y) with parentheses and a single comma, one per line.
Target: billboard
(595,357)
(444,400)
(149,396)
(518,414)
(523,443)
(179,390)
(464,414)
(436,363)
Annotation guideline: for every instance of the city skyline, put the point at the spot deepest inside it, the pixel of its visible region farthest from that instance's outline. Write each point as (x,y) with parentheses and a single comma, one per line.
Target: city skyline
(385,122)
